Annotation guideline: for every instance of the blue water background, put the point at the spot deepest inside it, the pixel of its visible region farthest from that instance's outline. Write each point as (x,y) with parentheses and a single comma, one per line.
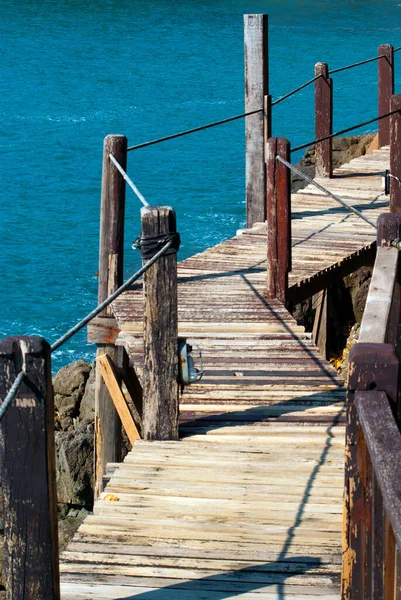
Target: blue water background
(73,72)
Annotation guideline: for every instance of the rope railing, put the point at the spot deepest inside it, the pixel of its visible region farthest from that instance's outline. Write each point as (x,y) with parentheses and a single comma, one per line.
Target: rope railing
(129,181)
(326,191)
(194,130)
(299,88)
(357,64)
(342,131)
(71,332)
(252,112)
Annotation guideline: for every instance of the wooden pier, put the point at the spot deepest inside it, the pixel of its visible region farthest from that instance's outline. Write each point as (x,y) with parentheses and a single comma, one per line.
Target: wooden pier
(249,501)
(269,478)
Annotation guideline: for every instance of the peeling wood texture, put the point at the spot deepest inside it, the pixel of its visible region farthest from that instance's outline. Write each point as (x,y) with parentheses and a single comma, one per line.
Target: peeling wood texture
(28,475)
(111,250)
(395,154)
(385,67)
(160,333)
(278,202)
(323,120)
(256,126)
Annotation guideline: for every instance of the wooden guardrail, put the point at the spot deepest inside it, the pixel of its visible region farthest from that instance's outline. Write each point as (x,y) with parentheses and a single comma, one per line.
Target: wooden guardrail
(372,501)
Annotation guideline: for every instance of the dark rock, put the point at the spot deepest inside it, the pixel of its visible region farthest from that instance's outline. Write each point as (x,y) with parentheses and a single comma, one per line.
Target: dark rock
(74,468)
(87,406)
(69,386)
(344,150)
(68,526)
(358,285)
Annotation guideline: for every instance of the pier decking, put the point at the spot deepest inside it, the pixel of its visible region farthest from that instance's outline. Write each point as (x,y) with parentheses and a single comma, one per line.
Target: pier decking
(249,502)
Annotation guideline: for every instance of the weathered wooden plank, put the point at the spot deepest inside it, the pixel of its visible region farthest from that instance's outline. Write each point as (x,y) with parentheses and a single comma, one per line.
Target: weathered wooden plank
(385,66)
(376,315)
(107,371)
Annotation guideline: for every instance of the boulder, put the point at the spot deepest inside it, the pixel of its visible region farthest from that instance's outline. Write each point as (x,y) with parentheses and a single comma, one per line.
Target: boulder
(67,527)
(87,406)
(74,468)
(69,386)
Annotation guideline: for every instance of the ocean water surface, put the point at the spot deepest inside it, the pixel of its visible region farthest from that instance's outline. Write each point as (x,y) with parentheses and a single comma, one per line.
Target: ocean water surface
(73,72)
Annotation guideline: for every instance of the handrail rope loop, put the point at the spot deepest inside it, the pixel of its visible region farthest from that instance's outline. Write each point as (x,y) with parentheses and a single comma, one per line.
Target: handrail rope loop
(129,181)
(194,130)
(337,133)
(326,191)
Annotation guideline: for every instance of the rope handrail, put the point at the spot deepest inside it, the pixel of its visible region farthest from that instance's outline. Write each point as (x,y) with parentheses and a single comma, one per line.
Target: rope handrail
(357,64)
(71,332)
(326,191)
(299,88)
(129,181)
(342,131)
(194,130)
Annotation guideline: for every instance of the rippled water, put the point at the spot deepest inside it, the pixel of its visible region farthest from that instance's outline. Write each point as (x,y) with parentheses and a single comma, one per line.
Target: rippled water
(73,72)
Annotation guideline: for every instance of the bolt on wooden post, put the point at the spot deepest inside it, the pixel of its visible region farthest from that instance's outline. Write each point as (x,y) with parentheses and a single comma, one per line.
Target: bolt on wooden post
(323,120)
(257,126)
(395,154)
(111,254)
(385,65)
(27,454)
(278,201)
(160,371)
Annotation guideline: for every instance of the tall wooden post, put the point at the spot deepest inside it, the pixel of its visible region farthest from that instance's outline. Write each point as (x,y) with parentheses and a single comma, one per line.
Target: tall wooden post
(323,120)
(395,154)
(28,475)
(385,91)
(257,125)
(111,250)
(278,200)
(160,371)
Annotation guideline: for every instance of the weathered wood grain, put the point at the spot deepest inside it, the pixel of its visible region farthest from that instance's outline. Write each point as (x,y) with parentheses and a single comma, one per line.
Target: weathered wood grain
(386,90)
(160,333)
(323,120)
(256,126)
(28,477)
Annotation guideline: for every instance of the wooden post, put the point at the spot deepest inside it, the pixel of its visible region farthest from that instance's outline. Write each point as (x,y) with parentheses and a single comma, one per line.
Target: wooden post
(160,371)
(395,154)
(111,250)
(28,472)
(385,91)
(323,120)
(371,367)
(278,200)
(256,89)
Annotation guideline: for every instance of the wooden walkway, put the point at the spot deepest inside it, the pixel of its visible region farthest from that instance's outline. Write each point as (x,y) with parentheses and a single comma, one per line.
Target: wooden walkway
(249,502)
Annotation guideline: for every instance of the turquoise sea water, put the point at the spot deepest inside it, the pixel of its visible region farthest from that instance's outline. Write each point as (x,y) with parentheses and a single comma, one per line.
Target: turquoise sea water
(73,72)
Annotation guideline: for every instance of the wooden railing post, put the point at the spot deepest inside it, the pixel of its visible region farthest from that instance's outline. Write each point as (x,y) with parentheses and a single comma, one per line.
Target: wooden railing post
(160,370)
(278,201)
(323,120)
(371,367)
(395,154)
(258,125)
(385,91)
(28,475)
(107,421)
